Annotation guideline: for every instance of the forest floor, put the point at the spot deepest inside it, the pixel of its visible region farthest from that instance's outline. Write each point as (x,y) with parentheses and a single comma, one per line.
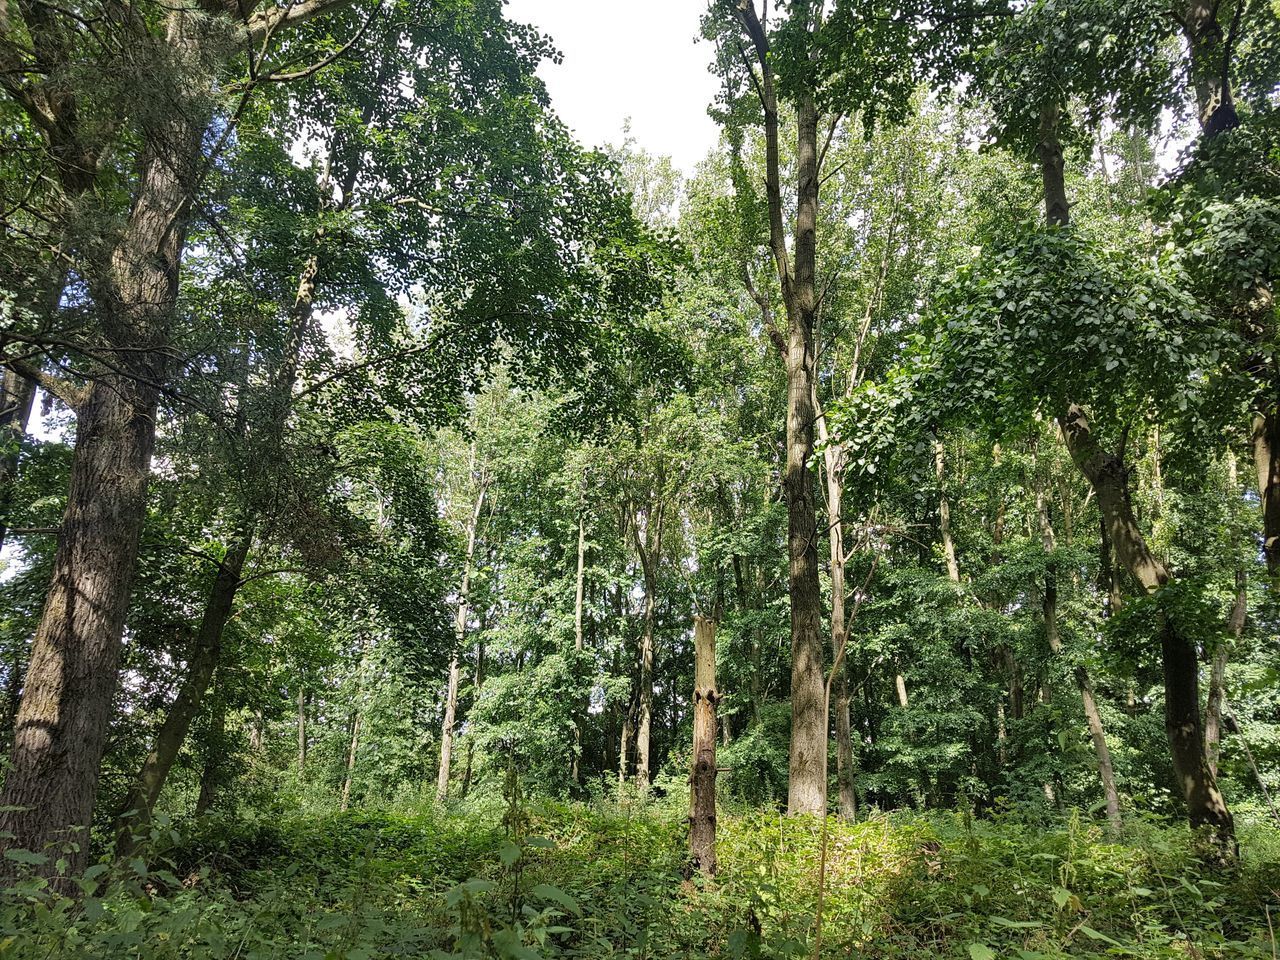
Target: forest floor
(608,880)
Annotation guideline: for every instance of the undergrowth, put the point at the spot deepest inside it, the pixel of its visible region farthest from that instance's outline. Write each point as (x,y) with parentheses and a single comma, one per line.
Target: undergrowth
(608,880)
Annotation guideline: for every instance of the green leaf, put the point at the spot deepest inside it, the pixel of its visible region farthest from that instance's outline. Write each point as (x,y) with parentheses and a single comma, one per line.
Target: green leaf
(27,857)
(545,891)
(980,951)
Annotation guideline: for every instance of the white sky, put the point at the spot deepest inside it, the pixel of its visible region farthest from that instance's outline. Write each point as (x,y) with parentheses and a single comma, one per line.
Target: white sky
(623,60)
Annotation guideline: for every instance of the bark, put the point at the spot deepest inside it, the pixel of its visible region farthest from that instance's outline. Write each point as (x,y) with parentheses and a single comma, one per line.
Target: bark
(807,785)
(579,641)
(944,514)
(206,649)
(210,775)
(648,548)
(702,776)
(1206,807)
(66,703)
(1109,477)
(1218,676)
(834,462)
(71,675)
(302,731)
(15,415)
(460,635)
(352,748)
(1266,456)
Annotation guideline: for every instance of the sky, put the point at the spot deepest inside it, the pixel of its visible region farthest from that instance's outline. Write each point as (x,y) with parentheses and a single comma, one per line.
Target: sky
(627,60)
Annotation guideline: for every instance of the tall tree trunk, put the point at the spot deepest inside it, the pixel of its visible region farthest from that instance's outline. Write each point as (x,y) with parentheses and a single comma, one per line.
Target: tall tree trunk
(1093,719)
(1266,456)
(15,415)
(644,725)
(702,776)
(1206,807)
(202,661)
(352,749)
(807,783)
(579,640)
(1218,675)
(71,676)
(1106,473)
(302,731)
(71,679)
(944,514)
(211,774)
(460,635)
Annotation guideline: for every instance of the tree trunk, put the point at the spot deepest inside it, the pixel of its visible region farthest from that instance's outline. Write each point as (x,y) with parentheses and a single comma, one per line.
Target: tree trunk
(210,775)
(649,550)
(1266,456)
(1218,676)
(71,676)
(66,704)
(702,776)
(460,635)
(644,725)
(1108,476)
(206,649)
(807,784)
(351,759)
(15,414)
(944,514)
(579,641)
(302,731)
(1206,807)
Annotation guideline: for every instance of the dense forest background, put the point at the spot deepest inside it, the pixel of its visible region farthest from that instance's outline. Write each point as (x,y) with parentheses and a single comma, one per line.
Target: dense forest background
(371,448)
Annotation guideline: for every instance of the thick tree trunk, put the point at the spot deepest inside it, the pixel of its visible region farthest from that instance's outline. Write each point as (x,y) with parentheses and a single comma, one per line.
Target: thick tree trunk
(202,661)
(71,676)
(66,703)
(702,776)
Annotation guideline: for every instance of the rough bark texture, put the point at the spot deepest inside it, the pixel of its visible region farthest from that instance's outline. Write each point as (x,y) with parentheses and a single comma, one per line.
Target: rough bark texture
(71,676)
(702,776)
(807,784)
(66,703)
(202,661)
